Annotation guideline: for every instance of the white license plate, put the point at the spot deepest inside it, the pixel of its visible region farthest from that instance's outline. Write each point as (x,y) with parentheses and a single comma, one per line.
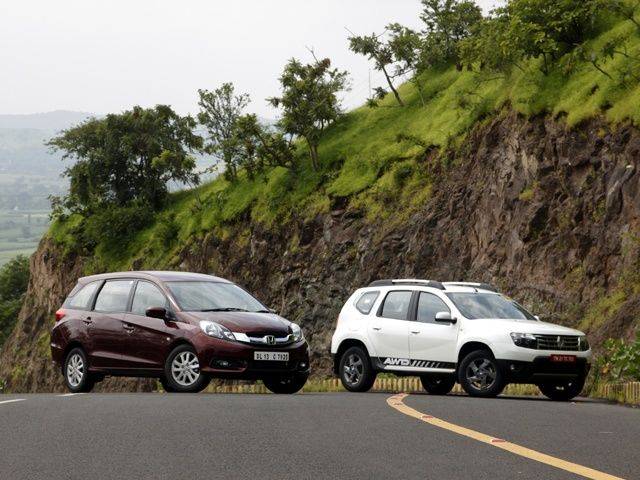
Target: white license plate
(271,356)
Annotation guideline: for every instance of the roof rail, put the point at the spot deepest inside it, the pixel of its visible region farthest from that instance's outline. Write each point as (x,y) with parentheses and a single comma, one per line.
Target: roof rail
(483,286)
(406,281)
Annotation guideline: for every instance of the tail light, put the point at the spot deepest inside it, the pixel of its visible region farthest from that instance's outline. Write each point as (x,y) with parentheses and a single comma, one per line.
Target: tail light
(60,314)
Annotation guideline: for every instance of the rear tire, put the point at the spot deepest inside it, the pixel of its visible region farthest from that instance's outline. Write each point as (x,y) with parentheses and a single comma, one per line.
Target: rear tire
(562,391)
(286,384)
(356,372)
(76,372)
(182,371)
(436,384)
(480,376)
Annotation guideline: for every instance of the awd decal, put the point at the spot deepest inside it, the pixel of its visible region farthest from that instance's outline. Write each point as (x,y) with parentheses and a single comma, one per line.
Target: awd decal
(406,362)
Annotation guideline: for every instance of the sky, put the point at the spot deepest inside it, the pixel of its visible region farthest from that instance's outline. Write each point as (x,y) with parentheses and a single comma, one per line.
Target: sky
(107,56)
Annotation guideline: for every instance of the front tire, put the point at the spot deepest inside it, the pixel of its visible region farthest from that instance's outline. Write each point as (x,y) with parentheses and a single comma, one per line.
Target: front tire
(438,384)
(286,384)
(76,372)
(480,376)
(182,371)
(562,391)
(356,372)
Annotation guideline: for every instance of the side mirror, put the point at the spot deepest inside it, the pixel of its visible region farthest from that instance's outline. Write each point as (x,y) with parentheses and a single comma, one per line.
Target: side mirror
(445,317)
(273,310)
(537,317)
(158,312)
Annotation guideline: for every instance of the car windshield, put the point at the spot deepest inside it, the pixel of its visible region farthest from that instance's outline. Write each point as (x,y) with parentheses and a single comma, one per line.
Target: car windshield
(488,305)
(213,297)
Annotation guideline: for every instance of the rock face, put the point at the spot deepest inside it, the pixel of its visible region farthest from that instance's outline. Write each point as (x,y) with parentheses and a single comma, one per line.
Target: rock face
(550,215)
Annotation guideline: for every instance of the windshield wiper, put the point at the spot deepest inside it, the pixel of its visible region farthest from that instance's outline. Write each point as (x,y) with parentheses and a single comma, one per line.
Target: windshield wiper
(224,309)
(262,311)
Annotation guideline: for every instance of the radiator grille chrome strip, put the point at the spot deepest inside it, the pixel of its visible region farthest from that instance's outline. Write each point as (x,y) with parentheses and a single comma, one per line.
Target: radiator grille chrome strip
(244,338)
(568,343)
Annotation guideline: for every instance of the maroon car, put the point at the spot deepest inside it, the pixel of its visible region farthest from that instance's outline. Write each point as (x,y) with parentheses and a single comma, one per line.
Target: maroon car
(183,328)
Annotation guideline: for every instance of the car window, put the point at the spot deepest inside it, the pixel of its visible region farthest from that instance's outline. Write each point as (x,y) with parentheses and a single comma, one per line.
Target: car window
(428,305)
(488,305)
(366,301)
(396,305)
(80,300)
(213,296)
(147,295)
(114,296)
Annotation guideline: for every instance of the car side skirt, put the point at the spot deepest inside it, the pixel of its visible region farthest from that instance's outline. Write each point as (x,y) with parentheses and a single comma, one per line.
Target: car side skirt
(411,365)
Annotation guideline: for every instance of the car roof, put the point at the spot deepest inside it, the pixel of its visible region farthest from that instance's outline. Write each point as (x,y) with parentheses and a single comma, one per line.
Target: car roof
(160,275)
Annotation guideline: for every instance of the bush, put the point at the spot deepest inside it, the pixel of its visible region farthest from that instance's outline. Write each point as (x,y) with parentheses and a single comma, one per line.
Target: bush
(620,361)
(113,226)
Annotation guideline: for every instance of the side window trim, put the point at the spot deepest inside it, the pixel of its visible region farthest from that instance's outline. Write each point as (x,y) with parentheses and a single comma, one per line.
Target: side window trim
(417,301)
(92,302)
(373,303)
(115,279)
(409,312)
(167,304)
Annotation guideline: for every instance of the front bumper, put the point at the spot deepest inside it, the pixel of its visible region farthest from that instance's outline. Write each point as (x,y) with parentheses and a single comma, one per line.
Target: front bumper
(235,360)
(542,369)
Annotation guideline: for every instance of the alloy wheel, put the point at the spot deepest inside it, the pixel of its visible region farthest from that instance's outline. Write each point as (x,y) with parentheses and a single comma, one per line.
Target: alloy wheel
(185,368)
(353,369)
(481,373)
(75,370)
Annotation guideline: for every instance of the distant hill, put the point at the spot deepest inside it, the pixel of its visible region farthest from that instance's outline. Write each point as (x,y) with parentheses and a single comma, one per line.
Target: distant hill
(55,121)
(22,141)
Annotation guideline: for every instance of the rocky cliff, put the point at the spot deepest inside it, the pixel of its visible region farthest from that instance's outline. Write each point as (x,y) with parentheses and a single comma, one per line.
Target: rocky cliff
(550,215)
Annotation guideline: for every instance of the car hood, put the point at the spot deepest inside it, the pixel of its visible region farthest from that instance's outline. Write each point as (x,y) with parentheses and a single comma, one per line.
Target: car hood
(521,326)
(259,324)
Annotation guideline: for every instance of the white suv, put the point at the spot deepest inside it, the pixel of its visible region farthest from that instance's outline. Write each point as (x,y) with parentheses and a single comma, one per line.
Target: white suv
(454,331)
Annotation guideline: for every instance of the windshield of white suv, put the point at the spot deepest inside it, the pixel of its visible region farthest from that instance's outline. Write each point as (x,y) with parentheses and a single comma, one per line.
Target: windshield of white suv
(214,297)
(488,305)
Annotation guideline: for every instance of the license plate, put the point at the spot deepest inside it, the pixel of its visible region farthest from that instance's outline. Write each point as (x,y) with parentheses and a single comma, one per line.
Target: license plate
(563,358)
(271,356)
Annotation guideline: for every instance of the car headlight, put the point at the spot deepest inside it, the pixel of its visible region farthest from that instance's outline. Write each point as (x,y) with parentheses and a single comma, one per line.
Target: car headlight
(526,340)
(216,330)
(296,331)
(583,343)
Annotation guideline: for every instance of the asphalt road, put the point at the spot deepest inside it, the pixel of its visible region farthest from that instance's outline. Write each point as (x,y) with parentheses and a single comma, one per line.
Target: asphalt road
(332,435)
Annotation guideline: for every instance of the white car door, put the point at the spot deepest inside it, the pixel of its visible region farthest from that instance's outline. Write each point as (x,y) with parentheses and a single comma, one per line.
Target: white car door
(388,328)
(430,340)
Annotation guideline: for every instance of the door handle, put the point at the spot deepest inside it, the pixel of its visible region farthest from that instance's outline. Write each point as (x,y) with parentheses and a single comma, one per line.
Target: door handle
(415,332)
(128,328)
(87,321)
(377,329)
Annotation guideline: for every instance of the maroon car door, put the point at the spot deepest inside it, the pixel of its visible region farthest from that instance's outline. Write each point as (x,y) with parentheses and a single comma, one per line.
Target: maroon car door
(147,338)
(107,328)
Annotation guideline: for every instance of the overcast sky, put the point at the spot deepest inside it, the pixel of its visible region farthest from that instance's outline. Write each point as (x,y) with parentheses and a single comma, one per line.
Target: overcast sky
(106,56)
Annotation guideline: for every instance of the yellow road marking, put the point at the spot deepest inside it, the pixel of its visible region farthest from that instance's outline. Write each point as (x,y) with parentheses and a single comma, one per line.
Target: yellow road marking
(396,402)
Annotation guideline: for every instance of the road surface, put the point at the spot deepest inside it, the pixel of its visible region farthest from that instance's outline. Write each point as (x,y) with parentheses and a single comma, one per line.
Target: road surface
(321,435)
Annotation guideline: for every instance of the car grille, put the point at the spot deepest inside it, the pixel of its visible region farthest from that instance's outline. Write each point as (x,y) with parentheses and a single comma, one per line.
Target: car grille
(569,343)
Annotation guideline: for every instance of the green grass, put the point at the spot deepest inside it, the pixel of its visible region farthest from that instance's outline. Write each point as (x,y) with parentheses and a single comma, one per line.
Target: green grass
(365,161)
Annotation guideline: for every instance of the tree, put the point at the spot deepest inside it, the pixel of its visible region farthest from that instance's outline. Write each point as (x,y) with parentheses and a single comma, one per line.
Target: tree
(447,23)
(14,279)
(627,9)
(374,48)
(547,29)
(407,49)
(219,113)
(309,100)
(258,147)
(489,47)
(127,157)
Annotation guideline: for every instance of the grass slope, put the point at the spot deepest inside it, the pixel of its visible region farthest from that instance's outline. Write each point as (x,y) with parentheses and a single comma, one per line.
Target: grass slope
(372,155)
